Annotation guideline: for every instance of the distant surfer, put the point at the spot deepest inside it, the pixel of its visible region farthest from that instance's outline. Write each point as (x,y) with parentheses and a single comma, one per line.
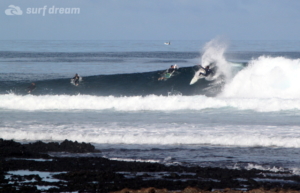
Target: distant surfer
(168,73)
(76,79)
(31,87)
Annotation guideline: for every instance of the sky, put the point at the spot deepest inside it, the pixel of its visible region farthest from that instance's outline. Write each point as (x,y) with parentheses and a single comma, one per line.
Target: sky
(150,19)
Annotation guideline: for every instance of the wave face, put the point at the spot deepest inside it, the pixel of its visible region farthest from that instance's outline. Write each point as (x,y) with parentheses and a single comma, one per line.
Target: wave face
(140,84)
(264,77)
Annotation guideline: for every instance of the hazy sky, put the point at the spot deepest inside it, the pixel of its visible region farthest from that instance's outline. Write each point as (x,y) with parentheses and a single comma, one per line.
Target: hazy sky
(151,19)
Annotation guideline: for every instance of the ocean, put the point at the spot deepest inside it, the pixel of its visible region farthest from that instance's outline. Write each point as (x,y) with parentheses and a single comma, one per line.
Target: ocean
(245,116)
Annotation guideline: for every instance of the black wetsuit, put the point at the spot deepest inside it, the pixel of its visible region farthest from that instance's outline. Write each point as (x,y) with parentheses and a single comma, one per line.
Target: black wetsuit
(208,71)
(170,70)
(76,79)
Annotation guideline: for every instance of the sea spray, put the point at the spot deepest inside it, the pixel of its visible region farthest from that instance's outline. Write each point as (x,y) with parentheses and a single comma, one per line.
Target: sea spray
(213,52)
(221,69)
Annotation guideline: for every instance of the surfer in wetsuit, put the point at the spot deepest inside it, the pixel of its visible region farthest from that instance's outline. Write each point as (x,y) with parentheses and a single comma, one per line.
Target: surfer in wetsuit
(169,71)
(31,87)
(76,79)
(207,71)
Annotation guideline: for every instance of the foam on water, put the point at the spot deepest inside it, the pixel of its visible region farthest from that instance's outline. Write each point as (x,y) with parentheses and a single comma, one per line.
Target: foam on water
(266,77)
(159,134)
(266,168)
(150,103)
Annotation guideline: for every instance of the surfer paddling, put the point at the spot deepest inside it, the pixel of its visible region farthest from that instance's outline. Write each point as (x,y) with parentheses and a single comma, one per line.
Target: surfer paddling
(168,73)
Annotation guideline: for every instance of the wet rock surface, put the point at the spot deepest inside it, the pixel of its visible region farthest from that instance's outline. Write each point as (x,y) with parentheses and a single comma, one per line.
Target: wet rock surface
(29,168)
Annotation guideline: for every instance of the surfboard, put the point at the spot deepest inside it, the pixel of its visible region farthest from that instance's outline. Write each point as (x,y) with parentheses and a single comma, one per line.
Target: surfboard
(198,76)
(166,75)
(201,73)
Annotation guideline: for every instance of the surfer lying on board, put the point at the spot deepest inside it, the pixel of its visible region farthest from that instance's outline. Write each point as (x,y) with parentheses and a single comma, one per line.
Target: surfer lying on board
(168,73)
(31,87)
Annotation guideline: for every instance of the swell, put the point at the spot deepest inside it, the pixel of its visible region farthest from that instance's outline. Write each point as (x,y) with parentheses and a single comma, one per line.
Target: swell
(135,84)
(154,54)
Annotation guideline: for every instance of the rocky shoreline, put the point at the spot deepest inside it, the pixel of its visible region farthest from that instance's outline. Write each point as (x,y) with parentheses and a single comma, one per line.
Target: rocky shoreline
(30,168)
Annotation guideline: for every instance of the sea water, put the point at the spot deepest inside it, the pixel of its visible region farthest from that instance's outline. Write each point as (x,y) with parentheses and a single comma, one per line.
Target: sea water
(249,118)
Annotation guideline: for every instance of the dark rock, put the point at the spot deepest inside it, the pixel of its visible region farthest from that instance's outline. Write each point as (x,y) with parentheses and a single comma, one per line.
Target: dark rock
(96,174)
(65,146)
(9,148)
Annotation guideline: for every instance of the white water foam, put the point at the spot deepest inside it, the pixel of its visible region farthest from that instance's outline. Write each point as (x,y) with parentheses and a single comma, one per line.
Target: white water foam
(155,103)
(265,168)
(161,134)
(135,160)
(267,77)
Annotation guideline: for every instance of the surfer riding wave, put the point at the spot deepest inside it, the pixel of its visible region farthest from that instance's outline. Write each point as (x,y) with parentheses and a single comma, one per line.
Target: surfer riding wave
(207,71)
(204,72)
